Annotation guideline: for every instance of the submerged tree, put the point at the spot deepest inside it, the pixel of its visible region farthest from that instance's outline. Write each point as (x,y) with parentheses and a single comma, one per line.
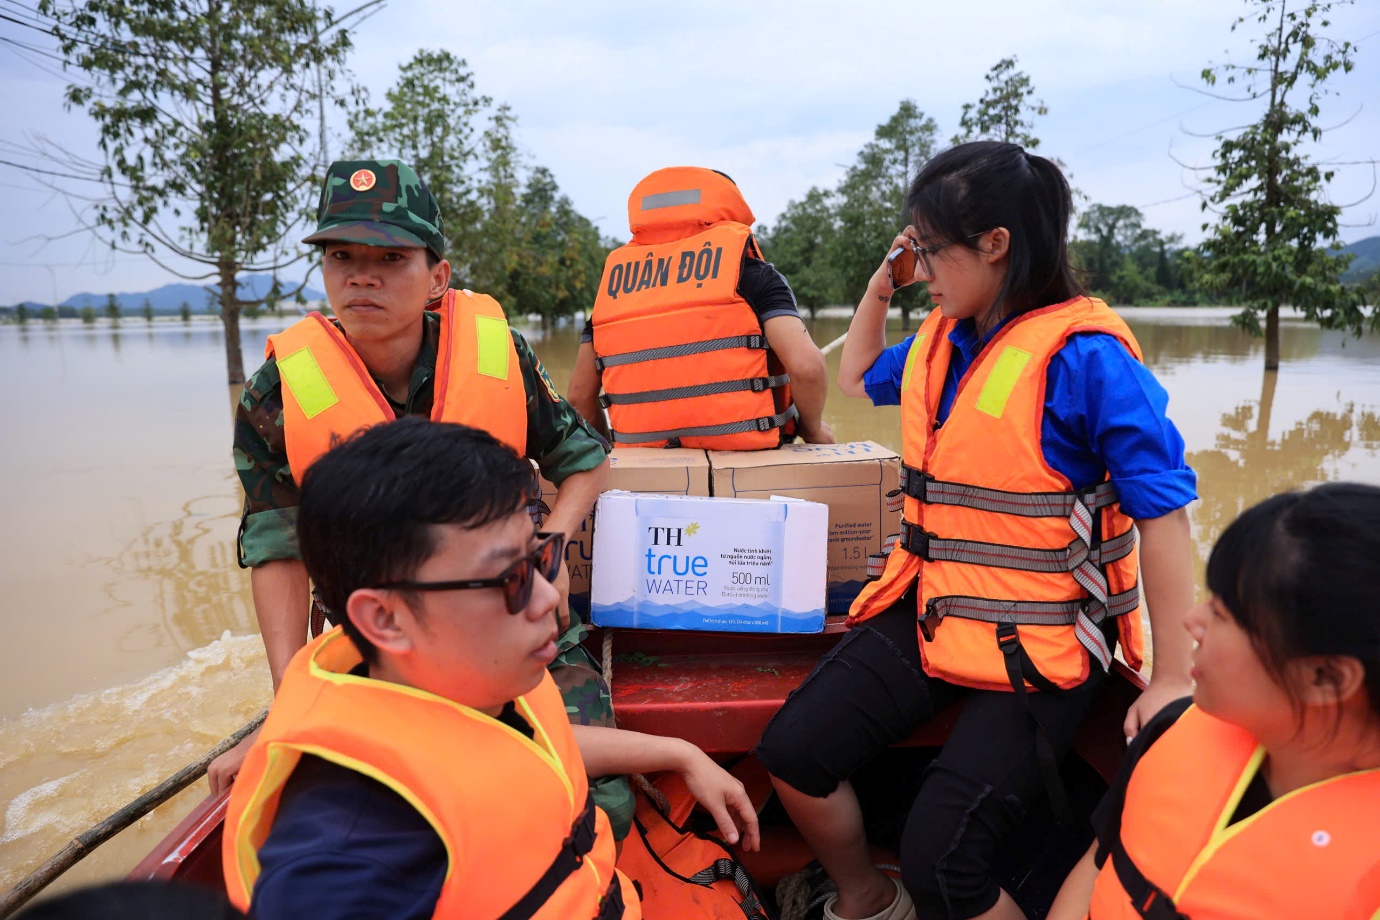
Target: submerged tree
(1272,243)
(205,111)
(428,120)
(1006,111)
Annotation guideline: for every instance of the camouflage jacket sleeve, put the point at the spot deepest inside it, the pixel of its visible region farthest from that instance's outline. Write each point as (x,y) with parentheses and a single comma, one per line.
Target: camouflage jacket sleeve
(268,528)
(559,440)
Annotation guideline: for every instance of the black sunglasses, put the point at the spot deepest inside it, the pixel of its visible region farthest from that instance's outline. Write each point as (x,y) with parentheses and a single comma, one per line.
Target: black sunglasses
(516,580)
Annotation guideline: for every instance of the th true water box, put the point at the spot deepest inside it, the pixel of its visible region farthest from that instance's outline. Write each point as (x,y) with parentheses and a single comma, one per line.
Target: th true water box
(726,565)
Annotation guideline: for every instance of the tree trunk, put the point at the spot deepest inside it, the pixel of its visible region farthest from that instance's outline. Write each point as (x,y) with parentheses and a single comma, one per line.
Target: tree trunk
(230,319)
(1267,403)
(1272,339)
(905,317)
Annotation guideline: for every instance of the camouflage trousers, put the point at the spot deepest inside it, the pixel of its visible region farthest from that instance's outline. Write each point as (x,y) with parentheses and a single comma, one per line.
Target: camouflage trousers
(588,702)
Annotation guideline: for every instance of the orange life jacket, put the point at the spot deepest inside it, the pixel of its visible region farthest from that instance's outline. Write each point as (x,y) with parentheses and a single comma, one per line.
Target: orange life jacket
(513,813)
(681,874)
(1016,572)
(682,356)
(1314,852)
(328,393)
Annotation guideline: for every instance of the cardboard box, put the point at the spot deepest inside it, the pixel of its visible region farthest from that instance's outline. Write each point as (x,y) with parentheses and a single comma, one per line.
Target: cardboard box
(728,565)
(852,479)
(674,471)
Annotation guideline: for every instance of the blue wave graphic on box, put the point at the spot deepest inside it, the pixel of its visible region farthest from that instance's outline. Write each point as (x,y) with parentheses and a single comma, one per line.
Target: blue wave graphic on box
(842,594)
(759,618)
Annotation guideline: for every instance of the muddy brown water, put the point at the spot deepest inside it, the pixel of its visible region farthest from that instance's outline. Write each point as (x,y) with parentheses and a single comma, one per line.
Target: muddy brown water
(130,643)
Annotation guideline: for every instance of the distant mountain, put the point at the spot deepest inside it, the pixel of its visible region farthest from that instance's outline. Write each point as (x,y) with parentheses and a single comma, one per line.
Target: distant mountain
(1367,261)
(169,298)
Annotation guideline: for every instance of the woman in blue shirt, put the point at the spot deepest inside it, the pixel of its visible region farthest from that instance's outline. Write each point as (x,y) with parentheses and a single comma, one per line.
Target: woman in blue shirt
(989,236)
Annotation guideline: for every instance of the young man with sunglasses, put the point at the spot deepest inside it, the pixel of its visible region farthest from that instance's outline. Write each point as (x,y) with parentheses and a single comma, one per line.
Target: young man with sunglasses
(401,343)
(418,760)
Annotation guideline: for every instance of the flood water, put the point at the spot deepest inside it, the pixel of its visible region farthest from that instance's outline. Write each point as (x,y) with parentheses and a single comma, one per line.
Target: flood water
(130,644)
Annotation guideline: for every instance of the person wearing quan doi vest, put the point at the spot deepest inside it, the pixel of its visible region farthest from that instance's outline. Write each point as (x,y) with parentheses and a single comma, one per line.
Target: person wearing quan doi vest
(401,342)
(1259,796)
(1035,444)
(695,340)
(418,760)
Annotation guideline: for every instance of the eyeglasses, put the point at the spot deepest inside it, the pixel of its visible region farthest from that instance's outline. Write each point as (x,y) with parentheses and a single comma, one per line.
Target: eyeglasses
(516,581)
(913,263)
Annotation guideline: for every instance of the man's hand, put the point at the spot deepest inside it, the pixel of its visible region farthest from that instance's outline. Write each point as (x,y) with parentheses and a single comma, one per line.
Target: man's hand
(1159,694)
(724,797)
(819,434)
(223,770)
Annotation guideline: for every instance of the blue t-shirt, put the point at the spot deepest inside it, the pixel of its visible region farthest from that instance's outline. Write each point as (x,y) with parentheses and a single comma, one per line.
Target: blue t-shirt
(1104,413)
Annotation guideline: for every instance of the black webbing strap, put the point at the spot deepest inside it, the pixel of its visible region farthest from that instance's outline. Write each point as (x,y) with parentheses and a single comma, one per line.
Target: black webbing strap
(925,488)
(730,870)
(1019,669)
(611,906)
(766,423)
(750,384)
(1148,899)
(568,859)
(681,351)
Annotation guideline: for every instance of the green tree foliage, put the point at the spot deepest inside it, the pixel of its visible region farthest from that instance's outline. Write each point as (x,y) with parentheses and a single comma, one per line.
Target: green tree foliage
(112,309)
(1272,242)
(802,245)
(21,314)
(428,120)
(148,311)
(185,311)
(1129,263)
(561,257)
(204,110)
(88,315)
(1006,111)
(48,314)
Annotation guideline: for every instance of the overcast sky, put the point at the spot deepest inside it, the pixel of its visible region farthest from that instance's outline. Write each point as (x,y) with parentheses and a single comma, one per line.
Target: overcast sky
(780,95)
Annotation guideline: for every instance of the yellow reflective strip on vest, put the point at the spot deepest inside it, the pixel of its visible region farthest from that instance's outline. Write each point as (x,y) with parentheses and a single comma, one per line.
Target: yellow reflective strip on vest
(910,360)
(997,390)
(306,382)
(491,334)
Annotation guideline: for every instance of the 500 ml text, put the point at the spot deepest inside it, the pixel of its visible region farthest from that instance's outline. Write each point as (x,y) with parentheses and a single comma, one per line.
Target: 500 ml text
(747,578)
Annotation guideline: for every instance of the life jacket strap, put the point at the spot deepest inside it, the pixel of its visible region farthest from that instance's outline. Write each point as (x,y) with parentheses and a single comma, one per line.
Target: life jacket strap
(680,351)
(1019,670)
(725,869)
(568,859)
(1148,899)
(931,548)
(753,384)
(924,488)
(766,423)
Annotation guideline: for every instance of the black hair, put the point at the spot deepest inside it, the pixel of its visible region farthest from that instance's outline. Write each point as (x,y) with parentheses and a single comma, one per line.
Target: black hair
(136,901)
(969,189)
(1300,574)
(368,505)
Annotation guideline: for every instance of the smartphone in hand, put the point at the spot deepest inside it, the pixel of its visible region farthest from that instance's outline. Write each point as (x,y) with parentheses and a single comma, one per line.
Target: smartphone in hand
(902,260)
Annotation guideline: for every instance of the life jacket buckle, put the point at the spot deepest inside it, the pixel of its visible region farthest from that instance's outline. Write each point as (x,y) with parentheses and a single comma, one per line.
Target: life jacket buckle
(1008,640)
(599,364)
(766,423)
(604,400)
(582,838)
(758,384)
(916,541)
(912,482)
(929,621)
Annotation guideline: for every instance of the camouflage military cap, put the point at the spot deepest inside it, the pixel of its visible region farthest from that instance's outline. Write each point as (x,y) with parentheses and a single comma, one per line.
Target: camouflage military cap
(378,203)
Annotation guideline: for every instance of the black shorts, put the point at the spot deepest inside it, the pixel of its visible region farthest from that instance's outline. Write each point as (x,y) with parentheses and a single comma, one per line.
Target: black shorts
(870,692)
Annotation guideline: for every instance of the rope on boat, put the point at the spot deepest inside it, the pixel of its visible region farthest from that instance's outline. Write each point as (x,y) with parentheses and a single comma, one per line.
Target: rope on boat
(640,781)
(83,844)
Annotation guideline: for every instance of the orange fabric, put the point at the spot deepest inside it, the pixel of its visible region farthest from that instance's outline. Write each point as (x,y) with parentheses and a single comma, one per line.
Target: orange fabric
(502,804)
(659,857)
(463,395)
(1311,853)
(975,448)
(676,283)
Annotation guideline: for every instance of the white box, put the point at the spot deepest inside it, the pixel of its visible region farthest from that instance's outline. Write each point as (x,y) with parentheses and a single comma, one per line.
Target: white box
(727,565)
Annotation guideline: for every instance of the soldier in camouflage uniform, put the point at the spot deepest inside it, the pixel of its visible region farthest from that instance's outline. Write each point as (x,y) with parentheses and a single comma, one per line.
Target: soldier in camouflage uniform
(378,216)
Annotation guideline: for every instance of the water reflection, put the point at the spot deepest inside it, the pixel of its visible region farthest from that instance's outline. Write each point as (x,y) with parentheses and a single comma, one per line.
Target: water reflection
(1246,465)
